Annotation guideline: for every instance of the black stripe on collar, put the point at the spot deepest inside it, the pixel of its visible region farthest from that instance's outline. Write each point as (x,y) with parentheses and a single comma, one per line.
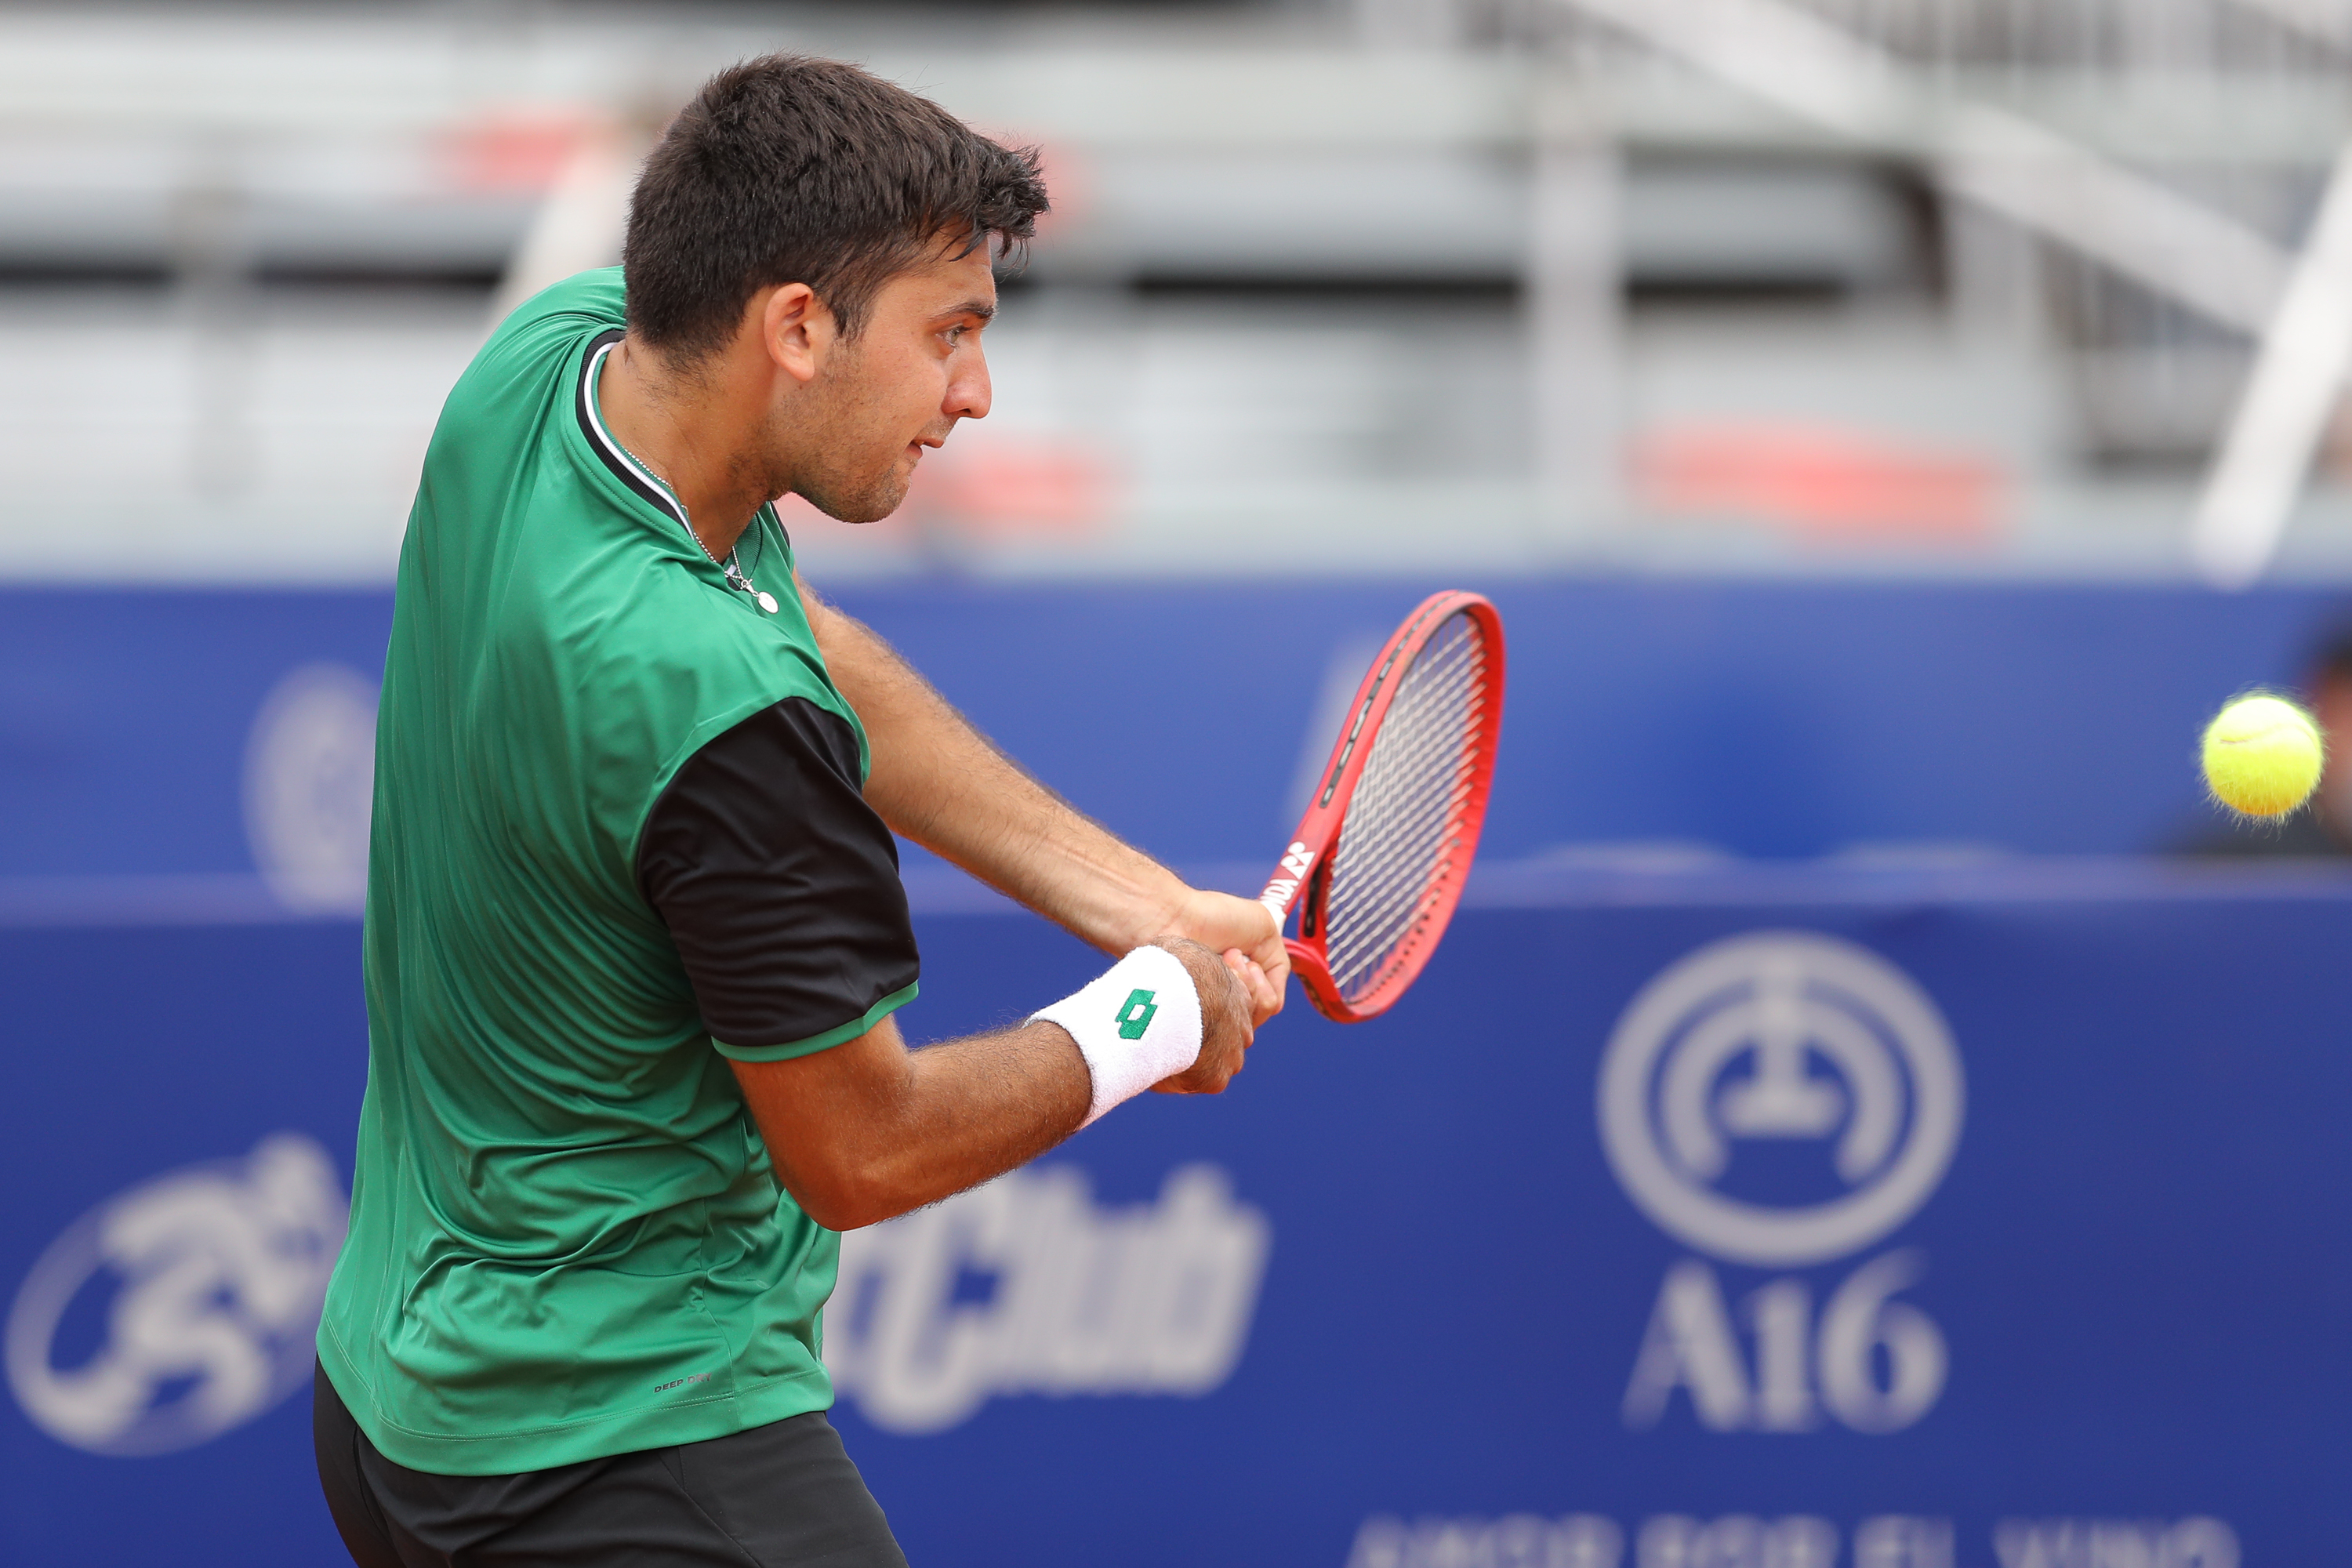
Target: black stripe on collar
(625,467)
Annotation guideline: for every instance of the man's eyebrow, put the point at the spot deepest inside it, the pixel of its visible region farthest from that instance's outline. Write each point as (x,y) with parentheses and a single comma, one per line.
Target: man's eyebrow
(981,308)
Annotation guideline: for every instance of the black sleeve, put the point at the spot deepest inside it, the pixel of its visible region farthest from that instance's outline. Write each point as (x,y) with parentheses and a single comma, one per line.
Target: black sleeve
(779,885)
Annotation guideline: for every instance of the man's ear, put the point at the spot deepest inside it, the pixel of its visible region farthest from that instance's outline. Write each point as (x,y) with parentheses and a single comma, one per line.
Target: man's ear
(795,328)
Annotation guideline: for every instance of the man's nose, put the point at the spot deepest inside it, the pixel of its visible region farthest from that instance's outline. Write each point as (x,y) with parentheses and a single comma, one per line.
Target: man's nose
(969,391)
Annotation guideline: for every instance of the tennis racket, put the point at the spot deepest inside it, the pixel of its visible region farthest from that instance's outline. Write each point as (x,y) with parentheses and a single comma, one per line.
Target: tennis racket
(1378,863)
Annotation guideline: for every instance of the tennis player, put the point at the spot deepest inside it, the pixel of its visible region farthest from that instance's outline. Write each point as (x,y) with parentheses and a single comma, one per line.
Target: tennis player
(635,937)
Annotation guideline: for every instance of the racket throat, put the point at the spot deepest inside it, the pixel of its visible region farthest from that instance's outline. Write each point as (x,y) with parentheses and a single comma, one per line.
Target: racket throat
(1296,871)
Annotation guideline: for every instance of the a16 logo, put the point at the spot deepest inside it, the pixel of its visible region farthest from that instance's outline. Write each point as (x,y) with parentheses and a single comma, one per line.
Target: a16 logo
(1784,1099)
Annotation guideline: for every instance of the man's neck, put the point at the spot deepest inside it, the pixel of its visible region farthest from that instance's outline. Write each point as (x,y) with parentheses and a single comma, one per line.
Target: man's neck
(680,432)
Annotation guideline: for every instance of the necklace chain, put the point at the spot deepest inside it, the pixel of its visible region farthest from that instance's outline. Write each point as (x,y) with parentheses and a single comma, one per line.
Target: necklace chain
(732,568)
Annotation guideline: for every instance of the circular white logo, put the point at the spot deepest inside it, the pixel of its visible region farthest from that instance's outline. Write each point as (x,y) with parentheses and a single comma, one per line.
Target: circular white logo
(216,1272)
(310,780)
(1819,1064)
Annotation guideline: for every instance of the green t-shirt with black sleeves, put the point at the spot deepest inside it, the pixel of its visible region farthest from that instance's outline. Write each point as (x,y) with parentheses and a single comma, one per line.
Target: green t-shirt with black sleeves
(619,837)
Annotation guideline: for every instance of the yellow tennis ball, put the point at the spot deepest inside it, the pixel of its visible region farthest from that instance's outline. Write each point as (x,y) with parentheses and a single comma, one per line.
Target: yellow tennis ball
(2263,755)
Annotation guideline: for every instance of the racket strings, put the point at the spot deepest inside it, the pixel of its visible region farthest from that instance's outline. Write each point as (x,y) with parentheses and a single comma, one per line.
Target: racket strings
(1413,825)
(1404,825)
(1430,721)
(1398,843)
(1405,819)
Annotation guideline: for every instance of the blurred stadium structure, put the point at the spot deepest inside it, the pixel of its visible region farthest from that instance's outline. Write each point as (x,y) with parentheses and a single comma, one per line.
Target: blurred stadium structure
(1774,285)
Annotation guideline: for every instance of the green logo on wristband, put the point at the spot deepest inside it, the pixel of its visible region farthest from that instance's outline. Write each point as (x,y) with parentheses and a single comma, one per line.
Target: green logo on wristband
(1134,1015)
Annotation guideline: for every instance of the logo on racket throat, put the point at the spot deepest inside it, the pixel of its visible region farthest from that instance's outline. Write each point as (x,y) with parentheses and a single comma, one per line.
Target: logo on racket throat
(1297,861)
(1135,1013)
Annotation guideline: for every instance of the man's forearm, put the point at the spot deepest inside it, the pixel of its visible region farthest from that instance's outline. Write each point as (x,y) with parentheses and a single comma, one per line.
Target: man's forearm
(938,781)
(858,1141)
(869,1130)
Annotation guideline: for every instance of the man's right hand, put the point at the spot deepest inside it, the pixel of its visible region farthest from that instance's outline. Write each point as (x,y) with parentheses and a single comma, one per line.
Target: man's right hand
(1233,989)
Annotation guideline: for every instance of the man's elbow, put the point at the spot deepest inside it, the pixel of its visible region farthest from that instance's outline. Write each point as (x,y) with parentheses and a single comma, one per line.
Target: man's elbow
(845,1195)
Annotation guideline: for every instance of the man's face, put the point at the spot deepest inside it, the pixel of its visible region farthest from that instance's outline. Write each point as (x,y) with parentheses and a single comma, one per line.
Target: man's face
(898,387)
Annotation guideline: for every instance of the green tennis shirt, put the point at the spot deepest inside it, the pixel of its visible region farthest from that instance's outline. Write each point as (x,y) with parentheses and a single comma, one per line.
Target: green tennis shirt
(566,1238)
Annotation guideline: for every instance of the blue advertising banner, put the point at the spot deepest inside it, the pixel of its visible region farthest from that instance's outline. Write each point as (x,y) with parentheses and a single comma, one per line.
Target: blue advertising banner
(1786,1217)
(207,752)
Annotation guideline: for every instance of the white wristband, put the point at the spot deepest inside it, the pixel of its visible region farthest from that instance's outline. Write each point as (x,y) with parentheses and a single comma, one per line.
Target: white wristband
(1138,1023)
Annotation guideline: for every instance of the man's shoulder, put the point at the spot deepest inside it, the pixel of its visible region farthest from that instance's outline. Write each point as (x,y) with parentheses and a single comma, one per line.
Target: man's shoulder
(672,659)
(684,629)
(526,358)
(595,300)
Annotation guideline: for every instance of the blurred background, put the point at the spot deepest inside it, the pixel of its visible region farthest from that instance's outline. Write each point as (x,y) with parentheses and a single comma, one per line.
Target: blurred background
(1890,428)
(1916,287)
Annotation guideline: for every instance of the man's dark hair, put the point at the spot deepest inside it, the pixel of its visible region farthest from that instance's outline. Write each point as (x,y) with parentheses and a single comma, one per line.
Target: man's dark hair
(791,170)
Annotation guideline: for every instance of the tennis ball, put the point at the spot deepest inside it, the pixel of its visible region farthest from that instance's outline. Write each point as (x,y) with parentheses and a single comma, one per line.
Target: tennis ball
(2263,755)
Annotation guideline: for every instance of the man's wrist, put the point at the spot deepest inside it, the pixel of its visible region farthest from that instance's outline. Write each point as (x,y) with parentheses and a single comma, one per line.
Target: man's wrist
(1124,902)
(1154,912)
(1138,1022)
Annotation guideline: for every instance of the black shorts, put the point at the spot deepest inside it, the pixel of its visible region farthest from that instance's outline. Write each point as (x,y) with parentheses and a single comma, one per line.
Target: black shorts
(780,1495)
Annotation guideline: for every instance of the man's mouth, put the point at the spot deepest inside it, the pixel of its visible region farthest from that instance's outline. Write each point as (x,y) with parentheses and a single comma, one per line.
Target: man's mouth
(915,447)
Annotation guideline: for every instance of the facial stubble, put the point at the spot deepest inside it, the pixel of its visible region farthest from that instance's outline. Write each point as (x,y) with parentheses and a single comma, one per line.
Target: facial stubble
(836,469)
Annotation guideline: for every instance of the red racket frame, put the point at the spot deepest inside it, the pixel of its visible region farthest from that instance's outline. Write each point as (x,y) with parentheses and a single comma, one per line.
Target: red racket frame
(1304,874)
